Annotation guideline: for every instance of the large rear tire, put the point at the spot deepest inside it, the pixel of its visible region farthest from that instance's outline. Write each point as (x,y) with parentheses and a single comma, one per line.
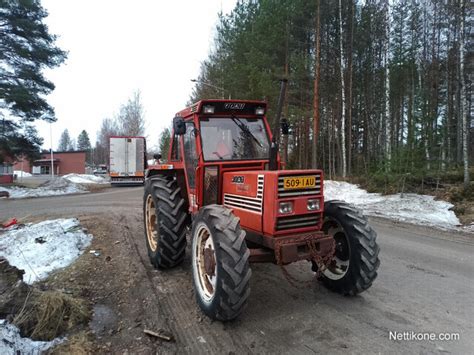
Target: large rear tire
(220,262)
(354,265)
(166,220)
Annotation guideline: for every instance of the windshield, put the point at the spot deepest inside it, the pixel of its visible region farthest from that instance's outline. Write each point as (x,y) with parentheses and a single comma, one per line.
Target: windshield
(234,139)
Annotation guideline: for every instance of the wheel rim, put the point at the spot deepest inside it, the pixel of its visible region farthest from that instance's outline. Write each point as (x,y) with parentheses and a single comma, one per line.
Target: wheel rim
(205,264)
(150,220)
(339,265)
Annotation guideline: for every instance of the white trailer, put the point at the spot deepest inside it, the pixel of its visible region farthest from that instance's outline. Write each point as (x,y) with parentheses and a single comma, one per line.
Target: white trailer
(127,160)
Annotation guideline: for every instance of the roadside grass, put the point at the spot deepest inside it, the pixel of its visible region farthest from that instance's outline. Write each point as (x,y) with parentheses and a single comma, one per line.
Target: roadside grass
(39,312)
(46,315)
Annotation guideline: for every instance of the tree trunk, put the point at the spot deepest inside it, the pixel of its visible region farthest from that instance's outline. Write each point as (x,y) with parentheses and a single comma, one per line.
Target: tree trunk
(317,72)
(388,137)
(285,136)
(343,101)
(464,105)
(349,106)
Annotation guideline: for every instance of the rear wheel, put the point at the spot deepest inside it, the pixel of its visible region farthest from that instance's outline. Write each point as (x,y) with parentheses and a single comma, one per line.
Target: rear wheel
(355,262)
(166,220)
(220,262)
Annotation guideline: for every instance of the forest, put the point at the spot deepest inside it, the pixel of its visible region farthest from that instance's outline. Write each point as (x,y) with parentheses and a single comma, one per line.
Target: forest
(379,88)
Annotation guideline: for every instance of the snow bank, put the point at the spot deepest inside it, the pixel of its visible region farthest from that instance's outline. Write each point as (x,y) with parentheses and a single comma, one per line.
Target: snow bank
(40,248)
(11,342)
(55,187)
(20,173)
(411,208)
(85,179)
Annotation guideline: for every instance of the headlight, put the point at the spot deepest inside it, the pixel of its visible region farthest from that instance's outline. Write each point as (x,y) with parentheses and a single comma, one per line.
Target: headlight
(313,204)
(259,111)
(208,109)
(285,207)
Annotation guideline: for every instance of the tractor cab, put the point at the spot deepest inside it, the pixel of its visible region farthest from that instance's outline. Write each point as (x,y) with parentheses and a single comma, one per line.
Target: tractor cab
(213,137)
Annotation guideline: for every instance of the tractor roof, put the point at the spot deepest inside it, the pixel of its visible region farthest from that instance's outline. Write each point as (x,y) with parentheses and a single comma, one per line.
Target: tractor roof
(224,107)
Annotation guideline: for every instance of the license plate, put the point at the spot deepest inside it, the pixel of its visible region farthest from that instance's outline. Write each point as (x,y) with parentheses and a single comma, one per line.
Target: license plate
(300,182)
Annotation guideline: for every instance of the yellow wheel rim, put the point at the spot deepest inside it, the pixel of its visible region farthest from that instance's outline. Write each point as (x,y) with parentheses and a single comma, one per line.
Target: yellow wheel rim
(206,275)
(150,221)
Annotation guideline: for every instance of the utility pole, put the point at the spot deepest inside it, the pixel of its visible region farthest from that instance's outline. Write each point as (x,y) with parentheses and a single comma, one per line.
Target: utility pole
(51,149)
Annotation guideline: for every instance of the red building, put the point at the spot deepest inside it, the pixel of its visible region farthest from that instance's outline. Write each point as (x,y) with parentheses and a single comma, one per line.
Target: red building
(6,169)
(63,163)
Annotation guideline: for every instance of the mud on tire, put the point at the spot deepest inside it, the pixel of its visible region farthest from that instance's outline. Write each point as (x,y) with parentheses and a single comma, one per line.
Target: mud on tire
(228,296)
(361,250)
(166,219)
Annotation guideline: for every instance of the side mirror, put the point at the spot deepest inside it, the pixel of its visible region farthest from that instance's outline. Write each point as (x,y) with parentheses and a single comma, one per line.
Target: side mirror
(179,126)
(157,156)
(285,126)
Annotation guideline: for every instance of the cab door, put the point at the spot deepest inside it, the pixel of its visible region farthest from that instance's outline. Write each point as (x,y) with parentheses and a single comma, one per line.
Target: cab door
(190,163)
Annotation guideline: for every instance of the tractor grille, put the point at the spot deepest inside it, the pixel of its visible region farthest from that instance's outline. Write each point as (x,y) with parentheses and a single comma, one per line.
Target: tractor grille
(298,192)
(298,221)
(253,204)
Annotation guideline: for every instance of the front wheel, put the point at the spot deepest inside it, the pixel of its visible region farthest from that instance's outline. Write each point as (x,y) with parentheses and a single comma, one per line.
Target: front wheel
(354,265)
(220,262)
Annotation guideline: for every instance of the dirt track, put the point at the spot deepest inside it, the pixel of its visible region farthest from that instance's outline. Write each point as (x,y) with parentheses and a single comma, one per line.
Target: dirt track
(425,284)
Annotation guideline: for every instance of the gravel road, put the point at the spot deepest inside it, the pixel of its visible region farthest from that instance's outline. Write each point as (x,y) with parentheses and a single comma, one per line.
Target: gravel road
(425,284)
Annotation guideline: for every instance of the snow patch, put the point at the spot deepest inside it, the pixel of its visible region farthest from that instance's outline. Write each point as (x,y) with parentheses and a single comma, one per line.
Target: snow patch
(43,247)
(55,187)
(85,179)
(411,208)
(11,341)
(20,173)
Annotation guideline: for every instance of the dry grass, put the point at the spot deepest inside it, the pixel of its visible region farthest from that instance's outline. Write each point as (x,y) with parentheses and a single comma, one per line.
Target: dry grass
(79,344)
(49,314)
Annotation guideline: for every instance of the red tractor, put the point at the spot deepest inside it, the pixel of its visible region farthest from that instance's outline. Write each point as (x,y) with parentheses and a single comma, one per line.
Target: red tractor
(224,181)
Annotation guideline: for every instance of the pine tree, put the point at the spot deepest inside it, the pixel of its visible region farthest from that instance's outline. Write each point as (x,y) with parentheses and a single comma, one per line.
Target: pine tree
(164,143)
(26,48)
(84,144)
(83,141)
(65,142)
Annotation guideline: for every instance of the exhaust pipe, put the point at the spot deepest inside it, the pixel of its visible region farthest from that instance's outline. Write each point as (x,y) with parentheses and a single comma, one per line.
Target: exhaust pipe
(273,163)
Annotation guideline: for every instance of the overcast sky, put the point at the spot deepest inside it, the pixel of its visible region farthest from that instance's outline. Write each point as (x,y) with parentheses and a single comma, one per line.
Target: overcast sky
(116,47)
